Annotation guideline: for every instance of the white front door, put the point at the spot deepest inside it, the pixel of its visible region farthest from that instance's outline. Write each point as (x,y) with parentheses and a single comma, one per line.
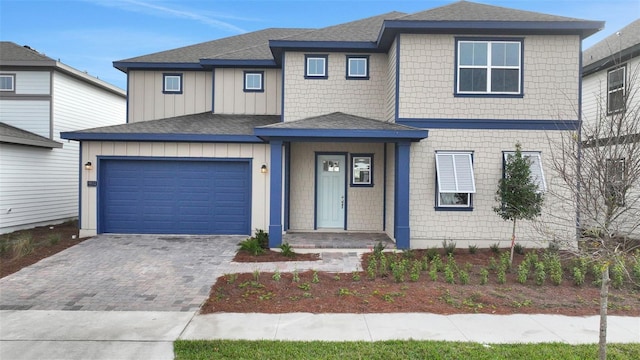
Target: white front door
(330,199)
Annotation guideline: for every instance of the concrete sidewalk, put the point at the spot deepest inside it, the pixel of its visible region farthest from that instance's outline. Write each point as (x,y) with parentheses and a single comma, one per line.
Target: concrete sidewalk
(43,334)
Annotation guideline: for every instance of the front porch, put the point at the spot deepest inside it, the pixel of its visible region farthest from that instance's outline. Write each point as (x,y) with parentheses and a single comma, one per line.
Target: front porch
(336,240)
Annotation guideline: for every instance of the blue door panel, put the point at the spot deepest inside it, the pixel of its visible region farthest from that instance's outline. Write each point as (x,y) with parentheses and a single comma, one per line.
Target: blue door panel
(175,197)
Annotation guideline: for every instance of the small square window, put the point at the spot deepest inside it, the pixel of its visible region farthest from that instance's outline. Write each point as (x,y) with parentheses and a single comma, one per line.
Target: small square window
(455,180)
(315,66)
(358,67)
(615,185)
(172,83)
(253,81)
(362,170)
(7,82)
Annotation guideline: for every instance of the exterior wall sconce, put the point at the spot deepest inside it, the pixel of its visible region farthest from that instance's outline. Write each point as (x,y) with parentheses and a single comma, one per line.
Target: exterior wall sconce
(264,169)
(88,165)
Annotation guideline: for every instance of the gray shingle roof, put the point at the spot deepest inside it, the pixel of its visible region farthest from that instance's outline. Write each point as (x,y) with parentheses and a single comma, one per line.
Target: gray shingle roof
(252,46)
(613,44)
(13,135)
(10,51)
(360,30)
(339,121)
(206,123)
(470,11)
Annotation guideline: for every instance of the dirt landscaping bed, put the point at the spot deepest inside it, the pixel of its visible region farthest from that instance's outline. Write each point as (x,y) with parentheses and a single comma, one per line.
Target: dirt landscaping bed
(414,289)
(26,247)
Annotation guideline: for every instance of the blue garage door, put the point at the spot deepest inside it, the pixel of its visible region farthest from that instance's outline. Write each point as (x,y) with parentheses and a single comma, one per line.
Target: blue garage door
(174,197)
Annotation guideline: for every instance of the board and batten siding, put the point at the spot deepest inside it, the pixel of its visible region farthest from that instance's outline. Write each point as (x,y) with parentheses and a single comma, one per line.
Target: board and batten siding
(147,101)
(230,97)
(39,186)
(259,182)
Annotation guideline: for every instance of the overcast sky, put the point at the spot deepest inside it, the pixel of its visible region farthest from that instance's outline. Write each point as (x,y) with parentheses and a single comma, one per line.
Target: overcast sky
(90,34)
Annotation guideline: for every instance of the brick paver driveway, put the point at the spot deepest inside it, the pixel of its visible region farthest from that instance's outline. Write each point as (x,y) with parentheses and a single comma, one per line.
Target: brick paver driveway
(123,273)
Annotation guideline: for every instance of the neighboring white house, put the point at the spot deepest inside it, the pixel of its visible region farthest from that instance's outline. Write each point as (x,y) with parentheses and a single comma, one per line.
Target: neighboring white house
(611,96)
(39,98)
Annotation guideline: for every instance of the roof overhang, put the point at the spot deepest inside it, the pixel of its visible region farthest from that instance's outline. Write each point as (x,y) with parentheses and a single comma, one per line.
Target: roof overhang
(279,46)
(617,58)
(266,63)
(146,137)
(391,28)
(343,135)
(124,66)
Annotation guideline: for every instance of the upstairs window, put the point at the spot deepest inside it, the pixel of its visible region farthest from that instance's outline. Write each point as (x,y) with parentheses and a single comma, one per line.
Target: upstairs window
(253,81)
(315,66)
(615,90)
(615,186)
(535,166)
(489,67)
(172,83)
(7,82)
(358,67)
(455,180)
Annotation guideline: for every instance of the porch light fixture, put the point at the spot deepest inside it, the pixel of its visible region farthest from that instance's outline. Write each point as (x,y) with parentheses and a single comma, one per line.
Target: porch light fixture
(88,165)
(264,169)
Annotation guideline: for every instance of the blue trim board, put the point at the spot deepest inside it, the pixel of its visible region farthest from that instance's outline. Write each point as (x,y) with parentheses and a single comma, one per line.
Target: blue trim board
(326,66)
(490,124)
(244,80)
(164,83)
(275,191)
(384,189)
(287,184)
(402,229)
(160,137)
(416,134)
(171,66)
(349,57)
(80,178)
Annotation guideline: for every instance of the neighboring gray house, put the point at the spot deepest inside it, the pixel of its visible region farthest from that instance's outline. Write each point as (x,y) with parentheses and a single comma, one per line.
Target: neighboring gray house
(397,124)
(611,99)
(39,98)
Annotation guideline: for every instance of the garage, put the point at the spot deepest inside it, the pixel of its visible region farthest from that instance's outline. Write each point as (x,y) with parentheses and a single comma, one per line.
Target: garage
(174,196)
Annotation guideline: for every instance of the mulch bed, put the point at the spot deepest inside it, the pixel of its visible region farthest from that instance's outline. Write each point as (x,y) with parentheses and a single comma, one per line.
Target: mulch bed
(273,256)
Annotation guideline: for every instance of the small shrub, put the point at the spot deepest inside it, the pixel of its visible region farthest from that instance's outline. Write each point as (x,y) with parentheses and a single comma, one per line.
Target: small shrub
(554,246)
(408,253)
(276,275)
(344,292)
(523,272)
(473,249)
(355,276)
(578,276)
(502,276)
(431,253)
(495,247)
(484,276)
(553,265)
(305,286)
(296,276)
(416,268)
(256,275)
(433,272)
(287,250)
(383,268)
(336,277)
(436,263)
(635,267)
(399,270)
(23,246)
(372,268)
(493,264)
(314,278)
(518,249)
(378,249)
(449,274)
(252,246)
(505,261)
(425,263)
(231,278)
(540,274)
(54,239)
(596,270)
(463,276)
(449,247)
(262,237)
(617,274)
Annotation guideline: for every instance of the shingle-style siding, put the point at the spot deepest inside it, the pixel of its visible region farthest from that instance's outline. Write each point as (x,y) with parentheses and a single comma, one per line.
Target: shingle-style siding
(230,97)
(147,101)
(390,85)
(481,226)
(259,182)
(427,67)
(364,204)
(312,97)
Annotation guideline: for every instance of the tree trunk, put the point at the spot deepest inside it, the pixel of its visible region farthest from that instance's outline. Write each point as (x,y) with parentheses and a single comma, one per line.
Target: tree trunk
(604,296)
(513,242)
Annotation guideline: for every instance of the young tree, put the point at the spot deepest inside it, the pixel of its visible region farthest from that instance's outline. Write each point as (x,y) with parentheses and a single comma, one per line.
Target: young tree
(518,193)
(599,168)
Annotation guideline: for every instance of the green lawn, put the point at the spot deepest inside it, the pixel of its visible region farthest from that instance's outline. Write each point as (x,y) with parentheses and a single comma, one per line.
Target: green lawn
(227,349)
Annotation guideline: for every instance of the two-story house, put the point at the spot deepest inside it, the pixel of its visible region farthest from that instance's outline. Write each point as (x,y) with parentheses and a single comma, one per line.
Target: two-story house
(39,98)
(611,116)
(397,124)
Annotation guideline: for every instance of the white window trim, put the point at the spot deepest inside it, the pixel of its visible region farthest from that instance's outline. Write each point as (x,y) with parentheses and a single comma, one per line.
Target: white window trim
(366,67)
(620,88)
(461,168)
(13,82)
(168,77)
(355,157)
(535,167)
(253,88)
(490,67)
(324,66)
